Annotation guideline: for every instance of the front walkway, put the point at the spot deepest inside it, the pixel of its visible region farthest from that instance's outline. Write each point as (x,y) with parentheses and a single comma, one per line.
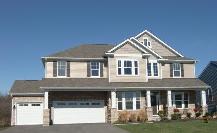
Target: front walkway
(78,128)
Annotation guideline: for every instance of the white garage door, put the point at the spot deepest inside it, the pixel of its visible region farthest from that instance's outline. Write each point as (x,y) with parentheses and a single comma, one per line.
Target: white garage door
(70,112)
(29,114)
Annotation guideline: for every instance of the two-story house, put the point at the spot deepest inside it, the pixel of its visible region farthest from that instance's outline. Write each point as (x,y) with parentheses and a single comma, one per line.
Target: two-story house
(93,83)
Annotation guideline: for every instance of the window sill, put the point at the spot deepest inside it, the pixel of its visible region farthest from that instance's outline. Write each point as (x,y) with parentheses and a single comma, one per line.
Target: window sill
(128,110)
(127,75)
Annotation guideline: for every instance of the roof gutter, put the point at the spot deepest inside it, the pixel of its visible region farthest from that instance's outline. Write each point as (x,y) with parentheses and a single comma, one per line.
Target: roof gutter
(70,58)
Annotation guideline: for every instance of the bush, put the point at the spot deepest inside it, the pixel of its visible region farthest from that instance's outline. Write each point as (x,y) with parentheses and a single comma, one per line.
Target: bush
(133,117)
(123,117)
(175,116)
(189,115)
(176,110)
(142,116)
(197,114)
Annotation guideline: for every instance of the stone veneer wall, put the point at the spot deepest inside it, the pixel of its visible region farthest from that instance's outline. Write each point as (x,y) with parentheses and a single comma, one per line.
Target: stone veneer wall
(19,99)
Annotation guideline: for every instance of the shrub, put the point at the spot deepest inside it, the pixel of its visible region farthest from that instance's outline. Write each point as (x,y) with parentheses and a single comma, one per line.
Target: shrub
(189,115)
(197,114)
(176,110)
(142,116)
(175,116)
(123,117)
(133,117)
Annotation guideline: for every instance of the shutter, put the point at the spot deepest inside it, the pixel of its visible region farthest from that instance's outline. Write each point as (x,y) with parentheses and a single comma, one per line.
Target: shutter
(182,70)
(101,69)
(54,68)
(68,68)
(88,69)
(171,70)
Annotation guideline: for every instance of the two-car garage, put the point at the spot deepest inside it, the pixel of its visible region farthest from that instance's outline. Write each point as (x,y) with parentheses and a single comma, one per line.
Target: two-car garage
(71,112)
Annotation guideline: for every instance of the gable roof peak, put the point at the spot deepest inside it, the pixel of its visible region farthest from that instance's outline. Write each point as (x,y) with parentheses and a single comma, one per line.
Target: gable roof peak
(158,39)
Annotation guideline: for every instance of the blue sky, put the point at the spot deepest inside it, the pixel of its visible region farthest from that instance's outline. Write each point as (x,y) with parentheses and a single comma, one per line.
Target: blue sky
(30,29)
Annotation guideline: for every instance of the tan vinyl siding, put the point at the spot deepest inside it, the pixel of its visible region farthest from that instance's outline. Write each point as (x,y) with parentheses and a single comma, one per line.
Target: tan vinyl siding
(127,49)
(157,46)
(188,71)
(77,70)
(49,70)
(113,70)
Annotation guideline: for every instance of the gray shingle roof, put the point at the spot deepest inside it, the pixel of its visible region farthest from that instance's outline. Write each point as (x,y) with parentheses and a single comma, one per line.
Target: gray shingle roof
(90,83)
(84,51)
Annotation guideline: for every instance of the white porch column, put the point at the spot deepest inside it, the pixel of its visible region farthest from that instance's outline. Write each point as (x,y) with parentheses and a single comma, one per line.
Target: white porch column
(148,97)
(169,98)
(113,99)
(203,98)
(46,100)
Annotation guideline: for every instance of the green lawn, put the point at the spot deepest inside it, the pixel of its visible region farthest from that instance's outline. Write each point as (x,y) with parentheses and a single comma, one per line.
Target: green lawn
(196,126)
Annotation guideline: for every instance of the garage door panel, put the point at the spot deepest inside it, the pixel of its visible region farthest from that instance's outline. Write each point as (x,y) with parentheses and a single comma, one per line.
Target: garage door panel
(29,114)
(81,112)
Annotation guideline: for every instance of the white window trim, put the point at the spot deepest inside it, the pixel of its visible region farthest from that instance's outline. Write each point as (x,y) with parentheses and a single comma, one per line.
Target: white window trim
(148,41)
(177,70)
(122,67)
(152,69)
(58,69)
(94,69)
(183,104)
(134,101)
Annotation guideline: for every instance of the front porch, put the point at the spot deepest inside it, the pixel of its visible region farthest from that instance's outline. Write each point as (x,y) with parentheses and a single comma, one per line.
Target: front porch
(111,103)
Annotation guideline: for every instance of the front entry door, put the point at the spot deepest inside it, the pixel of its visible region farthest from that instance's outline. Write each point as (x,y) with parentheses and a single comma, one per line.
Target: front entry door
(155,101)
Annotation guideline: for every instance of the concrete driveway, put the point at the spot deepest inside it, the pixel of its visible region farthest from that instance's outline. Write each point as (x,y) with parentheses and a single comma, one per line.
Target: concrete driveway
(78,128)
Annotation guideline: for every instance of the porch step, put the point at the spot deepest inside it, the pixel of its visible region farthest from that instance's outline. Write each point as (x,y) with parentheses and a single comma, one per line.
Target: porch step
(156,118)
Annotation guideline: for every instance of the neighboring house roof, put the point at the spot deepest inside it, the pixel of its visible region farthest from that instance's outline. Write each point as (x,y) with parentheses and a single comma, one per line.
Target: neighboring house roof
(103,84)
(84,51)
(214,63)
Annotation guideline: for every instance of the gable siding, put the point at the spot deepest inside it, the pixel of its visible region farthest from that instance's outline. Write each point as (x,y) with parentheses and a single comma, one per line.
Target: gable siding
(157,46)
(113,70)
(127,49)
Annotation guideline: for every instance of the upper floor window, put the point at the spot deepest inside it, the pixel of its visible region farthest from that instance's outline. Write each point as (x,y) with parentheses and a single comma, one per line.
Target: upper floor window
(127,67)
(176,70)
(95,69)
(152,69)
(147,43)
(61,68)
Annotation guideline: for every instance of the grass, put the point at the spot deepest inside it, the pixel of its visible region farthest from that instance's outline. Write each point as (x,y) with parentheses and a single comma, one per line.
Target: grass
(195,126)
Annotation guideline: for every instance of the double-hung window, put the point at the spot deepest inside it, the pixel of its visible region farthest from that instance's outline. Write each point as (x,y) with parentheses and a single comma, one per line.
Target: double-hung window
(176,70)
(95,69)
(180,99)
(61,71)
(128,100)
(127,67)
(152,69)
